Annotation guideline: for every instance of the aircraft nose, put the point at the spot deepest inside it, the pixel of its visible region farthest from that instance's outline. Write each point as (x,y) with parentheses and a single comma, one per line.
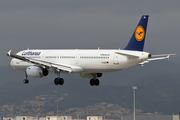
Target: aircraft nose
(12,63)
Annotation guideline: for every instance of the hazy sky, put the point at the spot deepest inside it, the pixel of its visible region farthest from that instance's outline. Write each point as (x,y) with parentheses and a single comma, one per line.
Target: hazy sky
(71,24)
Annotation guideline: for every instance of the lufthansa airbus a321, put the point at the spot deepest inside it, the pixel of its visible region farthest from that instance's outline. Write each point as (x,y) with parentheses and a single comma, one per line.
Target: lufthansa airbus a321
(90,64)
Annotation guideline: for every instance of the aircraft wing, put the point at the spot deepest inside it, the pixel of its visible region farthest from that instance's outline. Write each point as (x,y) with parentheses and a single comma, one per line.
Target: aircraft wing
(156,57)
(45,64)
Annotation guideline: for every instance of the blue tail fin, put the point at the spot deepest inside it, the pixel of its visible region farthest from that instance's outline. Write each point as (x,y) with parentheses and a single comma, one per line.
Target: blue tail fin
(136,42)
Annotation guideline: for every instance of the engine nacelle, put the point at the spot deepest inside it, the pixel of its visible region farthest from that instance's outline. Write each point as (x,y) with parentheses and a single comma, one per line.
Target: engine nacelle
(36,72)
(90,75)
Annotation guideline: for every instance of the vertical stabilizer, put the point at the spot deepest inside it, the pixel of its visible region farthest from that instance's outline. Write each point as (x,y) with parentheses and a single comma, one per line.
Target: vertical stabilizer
(136,42)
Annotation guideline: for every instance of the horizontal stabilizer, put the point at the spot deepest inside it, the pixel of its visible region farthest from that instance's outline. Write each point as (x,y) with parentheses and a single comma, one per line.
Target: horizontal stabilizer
(156,57)
(162,55)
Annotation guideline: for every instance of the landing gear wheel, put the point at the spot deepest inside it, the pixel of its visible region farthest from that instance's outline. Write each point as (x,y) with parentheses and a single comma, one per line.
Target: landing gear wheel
(59,81)
(56,81)
(26,81)
(96,82)
(92,82)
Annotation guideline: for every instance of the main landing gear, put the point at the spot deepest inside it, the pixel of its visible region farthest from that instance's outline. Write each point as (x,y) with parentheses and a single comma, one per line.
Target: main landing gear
(94,82)
(58,80)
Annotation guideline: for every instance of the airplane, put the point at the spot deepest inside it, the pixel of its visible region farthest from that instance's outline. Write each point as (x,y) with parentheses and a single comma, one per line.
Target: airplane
(90,64)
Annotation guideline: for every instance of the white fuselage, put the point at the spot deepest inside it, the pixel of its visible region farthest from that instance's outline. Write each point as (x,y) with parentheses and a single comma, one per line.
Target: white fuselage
(90,61)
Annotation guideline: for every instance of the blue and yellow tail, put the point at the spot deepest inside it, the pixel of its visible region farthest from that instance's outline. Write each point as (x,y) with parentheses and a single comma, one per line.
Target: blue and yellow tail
(136,42)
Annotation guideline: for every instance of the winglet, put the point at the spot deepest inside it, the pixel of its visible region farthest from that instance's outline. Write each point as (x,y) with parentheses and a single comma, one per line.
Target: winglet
(9,53)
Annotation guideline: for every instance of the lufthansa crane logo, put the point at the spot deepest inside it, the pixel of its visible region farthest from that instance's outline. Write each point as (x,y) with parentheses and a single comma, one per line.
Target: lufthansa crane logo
(139,33)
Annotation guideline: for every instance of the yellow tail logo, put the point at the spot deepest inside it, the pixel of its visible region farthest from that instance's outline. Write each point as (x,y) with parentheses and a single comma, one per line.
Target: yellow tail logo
(139,33)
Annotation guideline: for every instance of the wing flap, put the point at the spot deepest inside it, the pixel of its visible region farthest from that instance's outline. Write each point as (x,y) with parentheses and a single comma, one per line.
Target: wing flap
(61,67)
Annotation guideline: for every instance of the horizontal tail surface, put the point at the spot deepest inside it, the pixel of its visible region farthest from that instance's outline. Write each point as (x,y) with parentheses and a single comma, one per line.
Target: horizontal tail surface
(137,40)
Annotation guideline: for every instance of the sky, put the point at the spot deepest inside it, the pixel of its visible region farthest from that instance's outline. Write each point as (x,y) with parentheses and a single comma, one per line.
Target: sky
(89,24)
(80,24)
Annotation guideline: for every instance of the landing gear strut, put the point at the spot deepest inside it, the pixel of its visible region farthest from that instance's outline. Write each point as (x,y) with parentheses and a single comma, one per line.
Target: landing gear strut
(26,81)
(94,82)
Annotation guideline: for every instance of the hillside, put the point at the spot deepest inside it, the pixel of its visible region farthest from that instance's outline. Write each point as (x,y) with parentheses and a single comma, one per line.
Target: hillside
(164,99)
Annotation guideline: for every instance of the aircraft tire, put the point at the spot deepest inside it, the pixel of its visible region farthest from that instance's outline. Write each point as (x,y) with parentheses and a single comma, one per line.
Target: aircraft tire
(26,81)
(96,82)
(61,81)
(92,82)
(56,81)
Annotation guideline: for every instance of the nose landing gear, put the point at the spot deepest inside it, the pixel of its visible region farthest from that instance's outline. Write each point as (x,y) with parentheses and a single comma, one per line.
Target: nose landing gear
(26,81)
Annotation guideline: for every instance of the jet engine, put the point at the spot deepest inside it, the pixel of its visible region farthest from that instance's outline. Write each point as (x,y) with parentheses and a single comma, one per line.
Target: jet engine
(90,75)
(36,72)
